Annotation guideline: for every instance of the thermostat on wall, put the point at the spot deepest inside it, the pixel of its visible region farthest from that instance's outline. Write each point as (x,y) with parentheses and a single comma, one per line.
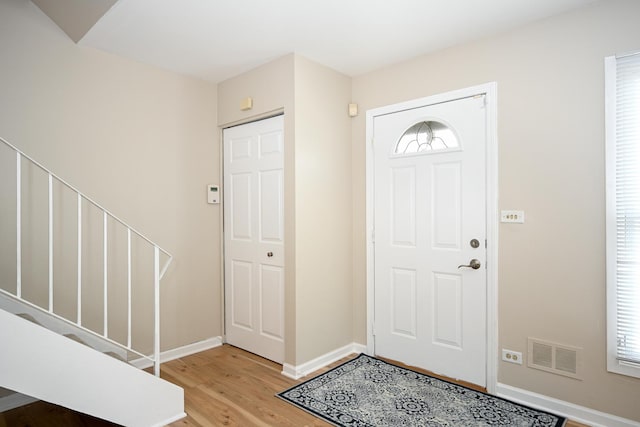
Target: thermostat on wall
(213,194)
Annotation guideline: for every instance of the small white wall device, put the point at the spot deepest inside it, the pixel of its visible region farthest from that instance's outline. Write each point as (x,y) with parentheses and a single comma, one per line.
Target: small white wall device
(213,194)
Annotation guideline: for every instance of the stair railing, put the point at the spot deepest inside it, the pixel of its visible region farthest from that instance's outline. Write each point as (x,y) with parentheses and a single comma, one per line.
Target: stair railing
(158,272)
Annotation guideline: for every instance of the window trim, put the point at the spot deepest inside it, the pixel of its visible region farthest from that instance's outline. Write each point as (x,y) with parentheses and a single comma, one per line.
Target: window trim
(613,363)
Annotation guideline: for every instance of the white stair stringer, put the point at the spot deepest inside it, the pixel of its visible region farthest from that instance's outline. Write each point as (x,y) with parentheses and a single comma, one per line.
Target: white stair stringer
(40,363)
(13,305)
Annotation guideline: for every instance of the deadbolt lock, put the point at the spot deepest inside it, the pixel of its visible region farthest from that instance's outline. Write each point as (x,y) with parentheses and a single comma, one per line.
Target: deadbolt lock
(474,243)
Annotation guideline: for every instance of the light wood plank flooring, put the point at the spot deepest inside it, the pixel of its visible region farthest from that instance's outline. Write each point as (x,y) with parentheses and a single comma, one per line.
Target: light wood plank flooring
(224,386)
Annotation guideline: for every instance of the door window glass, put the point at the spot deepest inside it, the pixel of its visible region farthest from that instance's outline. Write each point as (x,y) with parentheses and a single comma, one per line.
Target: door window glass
(426,136)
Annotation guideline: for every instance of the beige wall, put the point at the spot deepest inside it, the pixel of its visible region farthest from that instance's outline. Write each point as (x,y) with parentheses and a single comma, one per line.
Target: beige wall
(323,210)
(141,141)
(317,194)
(551,149)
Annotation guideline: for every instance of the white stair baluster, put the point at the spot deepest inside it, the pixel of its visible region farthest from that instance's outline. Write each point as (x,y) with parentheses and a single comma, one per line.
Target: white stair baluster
(18,224)
(79,304)
(50,243)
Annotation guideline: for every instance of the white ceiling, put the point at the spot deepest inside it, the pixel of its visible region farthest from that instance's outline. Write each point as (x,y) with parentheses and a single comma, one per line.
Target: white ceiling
(218,39)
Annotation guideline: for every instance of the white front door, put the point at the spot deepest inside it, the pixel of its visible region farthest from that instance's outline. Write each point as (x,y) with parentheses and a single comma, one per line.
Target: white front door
(254,237)
(429,219)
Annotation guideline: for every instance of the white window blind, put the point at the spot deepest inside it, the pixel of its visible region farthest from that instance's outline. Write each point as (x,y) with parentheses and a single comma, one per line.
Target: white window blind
(623,213)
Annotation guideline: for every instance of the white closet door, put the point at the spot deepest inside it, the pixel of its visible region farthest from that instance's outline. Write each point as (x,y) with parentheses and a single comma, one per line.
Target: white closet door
(254,237)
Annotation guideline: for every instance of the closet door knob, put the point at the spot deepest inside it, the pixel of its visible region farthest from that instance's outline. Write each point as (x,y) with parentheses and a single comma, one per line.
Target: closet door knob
(474,263)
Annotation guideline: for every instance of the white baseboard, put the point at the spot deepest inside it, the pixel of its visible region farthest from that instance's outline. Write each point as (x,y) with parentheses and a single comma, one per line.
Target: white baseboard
(299,371)
(179,352)
(574,412)
(15,400)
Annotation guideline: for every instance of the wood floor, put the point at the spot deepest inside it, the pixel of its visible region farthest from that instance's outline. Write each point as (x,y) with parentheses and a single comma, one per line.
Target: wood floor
(227,386)
(224,386)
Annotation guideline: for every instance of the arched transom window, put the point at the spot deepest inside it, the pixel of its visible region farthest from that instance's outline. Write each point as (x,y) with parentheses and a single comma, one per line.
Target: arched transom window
(426,136)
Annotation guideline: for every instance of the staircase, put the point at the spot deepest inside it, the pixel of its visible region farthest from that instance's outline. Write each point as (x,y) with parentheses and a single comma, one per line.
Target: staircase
(76,318)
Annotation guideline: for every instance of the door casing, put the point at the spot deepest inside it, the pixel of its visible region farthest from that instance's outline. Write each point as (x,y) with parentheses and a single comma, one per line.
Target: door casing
(490,92)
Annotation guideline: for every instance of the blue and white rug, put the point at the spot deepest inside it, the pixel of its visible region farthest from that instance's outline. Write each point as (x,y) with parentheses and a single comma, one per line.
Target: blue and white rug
(367,391)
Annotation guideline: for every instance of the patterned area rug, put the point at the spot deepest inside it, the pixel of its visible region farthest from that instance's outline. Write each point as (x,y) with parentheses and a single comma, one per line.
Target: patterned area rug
(370,392)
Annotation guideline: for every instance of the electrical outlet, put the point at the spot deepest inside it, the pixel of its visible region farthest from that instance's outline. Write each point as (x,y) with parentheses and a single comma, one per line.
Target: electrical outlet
(512,356)
(512,216)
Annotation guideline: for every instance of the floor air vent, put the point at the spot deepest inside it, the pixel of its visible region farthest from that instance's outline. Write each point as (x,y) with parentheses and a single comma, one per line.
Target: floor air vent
(555,358)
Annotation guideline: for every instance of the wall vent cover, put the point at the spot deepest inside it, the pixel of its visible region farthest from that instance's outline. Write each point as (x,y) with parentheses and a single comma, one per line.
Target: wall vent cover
(556,358)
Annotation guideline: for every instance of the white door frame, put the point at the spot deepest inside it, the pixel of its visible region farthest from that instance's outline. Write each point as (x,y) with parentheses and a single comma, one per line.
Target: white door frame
(490,91)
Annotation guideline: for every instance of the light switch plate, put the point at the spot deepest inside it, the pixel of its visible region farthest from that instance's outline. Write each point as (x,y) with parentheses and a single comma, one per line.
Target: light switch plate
(516,217)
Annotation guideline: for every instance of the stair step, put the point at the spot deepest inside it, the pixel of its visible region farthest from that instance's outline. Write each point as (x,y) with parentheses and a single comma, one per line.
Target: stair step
(116,356)
(29,317)
(76,338)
